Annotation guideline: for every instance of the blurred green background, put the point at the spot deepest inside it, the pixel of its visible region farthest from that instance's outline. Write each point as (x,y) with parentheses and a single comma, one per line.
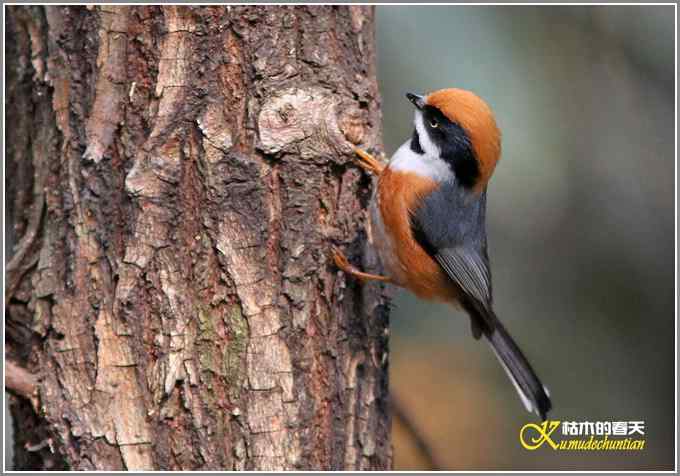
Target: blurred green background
(580,223)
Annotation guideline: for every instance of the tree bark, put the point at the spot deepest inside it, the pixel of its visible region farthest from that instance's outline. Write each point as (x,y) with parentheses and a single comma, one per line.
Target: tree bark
(176,177)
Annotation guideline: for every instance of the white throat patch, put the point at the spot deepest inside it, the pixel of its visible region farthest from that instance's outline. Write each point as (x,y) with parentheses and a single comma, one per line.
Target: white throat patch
(405,160)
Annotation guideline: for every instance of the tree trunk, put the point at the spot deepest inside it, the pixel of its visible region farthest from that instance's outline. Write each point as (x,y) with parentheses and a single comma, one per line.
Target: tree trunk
(176,178)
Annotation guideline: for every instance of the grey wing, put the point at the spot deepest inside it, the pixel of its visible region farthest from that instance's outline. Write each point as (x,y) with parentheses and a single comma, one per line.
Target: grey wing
(469,270)
(450,226)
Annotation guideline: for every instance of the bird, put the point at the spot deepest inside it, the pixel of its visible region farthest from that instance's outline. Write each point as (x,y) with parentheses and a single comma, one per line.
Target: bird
(428,221)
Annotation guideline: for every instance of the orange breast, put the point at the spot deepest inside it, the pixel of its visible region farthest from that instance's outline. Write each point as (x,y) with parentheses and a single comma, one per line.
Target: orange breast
(398,194)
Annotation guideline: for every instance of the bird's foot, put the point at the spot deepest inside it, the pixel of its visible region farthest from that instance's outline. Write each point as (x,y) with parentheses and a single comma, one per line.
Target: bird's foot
(344,265)
(368,162)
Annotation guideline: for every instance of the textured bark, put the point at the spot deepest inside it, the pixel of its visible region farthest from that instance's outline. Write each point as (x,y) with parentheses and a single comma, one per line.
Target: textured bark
(176,177)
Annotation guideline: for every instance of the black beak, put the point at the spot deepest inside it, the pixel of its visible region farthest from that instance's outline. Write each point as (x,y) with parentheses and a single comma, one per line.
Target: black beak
(417,100)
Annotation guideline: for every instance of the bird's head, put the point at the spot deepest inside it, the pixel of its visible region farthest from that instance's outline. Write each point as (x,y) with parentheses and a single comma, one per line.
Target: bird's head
(458,127)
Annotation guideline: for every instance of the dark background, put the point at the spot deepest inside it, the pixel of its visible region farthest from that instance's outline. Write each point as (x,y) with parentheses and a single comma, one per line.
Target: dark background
(580,223)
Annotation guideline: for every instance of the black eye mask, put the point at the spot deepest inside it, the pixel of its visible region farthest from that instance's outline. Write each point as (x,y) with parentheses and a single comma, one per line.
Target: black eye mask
(415,143)
(453,142)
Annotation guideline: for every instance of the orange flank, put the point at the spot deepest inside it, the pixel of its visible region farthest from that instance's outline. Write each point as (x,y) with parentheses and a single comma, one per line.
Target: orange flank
(398,195)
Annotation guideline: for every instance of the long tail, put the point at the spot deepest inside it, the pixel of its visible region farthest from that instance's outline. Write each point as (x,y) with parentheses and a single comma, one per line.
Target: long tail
(533,393)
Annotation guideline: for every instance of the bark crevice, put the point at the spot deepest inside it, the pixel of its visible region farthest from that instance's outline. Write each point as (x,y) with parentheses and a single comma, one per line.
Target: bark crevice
(189,168)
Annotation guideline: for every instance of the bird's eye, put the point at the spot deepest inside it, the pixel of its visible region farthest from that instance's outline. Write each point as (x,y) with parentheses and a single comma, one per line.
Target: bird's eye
(433,123)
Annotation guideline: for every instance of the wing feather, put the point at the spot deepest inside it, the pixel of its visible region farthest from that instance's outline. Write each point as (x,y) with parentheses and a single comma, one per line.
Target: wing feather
(469,270)
(450,228)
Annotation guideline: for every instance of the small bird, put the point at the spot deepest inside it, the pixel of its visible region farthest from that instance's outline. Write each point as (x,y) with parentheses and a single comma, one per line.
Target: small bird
(428,221)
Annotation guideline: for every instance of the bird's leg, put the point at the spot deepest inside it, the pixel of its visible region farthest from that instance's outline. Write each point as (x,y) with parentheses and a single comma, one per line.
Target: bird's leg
(343,263)
(368,162)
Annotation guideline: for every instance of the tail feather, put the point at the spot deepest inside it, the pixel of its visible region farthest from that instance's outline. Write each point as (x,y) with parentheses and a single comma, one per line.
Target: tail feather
(534,395)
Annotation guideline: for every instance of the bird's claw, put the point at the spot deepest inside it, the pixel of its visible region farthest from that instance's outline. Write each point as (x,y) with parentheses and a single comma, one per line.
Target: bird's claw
(340,259)
(367,162)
